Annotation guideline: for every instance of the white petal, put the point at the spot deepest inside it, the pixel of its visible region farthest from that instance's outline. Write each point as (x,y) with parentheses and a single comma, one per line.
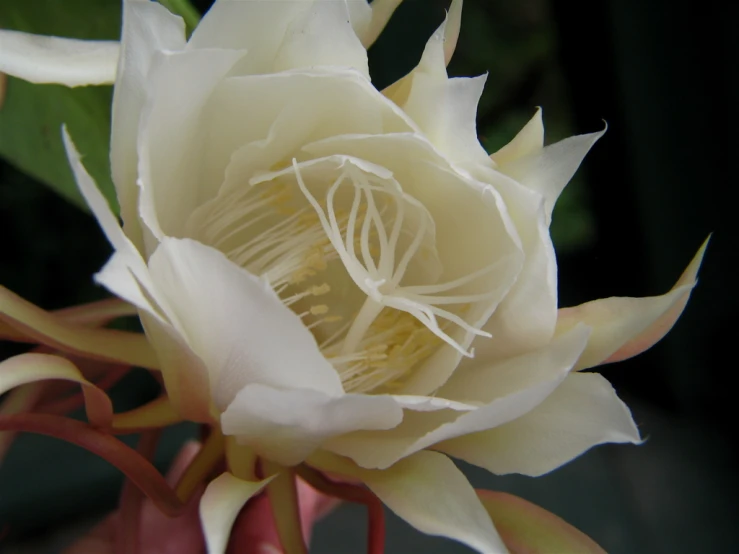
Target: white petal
(549,170)
(236,323)
(501,393)
(526,318)
(429,492)
(322,35)
(624,327)
(452,28)
(170,137)
(444,109)
(582,412)
(147,27)
(66,61)
(108,222)
(286,426)
(283,34)
(221,503)
(127,275)
(528,141)
(382,11)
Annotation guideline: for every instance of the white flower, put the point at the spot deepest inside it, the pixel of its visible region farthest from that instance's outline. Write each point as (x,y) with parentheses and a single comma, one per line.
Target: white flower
(329,270)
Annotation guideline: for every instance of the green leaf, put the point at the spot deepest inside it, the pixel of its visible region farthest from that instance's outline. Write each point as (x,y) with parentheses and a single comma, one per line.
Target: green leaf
(528,529)
(31,116)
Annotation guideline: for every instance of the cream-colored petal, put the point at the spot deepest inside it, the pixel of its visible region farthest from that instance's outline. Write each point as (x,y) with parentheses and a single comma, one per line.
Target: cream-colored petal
(548,170)
(283,34)
(127,275)
(444,109)
(496,395)
(170,137)
(624,327)
(236,323)
(66,61)
(287,425)
(147,27)
(33,367)
(221,503)
(382,11)
(582,412)
(526,318)
(295,107)
(528,141)
(526,527)
(430,493)
(451,29)
(322,35)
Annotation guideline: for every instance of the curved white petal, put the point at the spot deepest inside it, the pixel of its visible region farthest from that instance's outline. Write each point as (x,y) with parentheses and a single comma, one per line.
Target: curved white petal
(528,141)
(430,493)
(550,169)
(322,35)
(582,412)
(66,61)
(624,327)
(127,276)
(382,11)
(170,138)
(526,318)
(220,504)
(283,34)
(236,323)
(286,426)
(444,109)
(490,397)
(147,27)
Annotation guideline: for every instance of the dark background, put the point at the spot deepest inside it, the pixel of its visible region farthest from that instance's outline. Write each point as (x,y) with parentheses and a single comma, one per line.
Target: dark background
(665,76)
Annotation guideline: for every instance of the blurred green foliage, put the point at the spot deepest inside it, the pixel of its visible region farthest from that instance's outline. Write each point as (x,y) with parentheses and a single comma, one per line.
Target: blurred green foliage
(32,115)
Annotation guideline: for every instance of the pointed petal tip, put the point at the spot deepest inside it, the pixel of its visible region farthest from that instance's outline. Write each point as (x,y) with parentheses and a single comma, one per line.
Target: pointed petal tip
(452,27)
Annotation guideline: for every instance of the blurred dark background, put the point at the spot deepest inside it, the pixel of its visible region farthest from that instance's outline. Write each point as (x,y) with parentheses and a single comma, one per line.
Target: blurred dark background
(665,76)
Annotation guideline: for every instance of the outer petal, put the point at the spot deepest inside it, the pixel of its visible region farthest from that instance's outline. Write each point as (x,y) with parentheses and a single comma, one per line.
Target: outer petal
(501,393)
(382,11)
(147,27)
(282,34)
(430,493)
(66,61)
(127,276)
(528,529)
(445,109)
(170,138)
(549,170)
(528,141)
(286,426)
(624,327)
(526,318)
(221,503)
(236,323)
(582,412)
(30,368)
(322,35)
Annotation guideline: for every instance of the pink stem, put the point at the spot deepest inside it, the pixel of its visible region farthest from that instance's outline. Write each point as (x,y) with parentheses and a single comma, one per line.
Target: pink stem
(132,500)
(139,470)
(356,494)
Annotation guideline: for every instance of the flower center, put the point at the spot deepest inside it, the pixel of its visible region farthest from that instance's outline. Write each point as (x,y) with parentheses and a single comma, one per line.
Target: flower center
(338,246)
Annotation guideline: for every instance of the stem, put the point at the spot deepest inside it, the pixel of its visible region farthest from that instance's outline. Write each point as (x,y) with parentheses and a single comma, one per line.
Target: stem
(356,494)
(139,470)
(202,465)
(129,539)
(283,497)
